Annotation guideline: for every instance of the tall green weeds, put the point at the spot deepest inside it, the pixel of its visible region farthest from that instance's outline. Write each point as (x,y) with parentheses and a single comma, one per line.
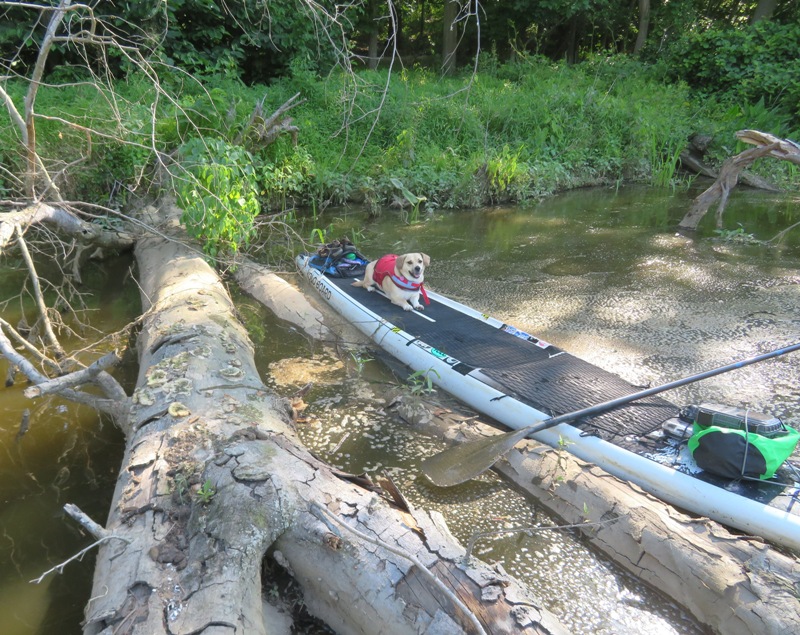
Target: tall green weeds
(523,130)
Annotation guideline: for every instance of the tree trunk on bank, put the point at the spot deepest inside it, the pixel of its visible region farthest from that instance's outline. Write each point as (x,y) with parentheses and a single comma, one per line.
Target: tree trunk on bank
(449,36)
(644,26)
(764,10)
(213,480)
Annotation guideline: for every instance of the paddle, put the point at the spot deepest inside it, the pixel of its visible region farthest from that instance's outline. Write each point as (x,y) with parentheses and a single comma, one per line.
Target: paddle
(463,462)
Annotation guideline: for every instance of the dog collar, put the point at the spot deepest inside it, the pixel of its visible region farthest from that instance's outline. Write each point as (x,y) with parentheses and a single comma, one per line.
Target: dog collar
(406,284)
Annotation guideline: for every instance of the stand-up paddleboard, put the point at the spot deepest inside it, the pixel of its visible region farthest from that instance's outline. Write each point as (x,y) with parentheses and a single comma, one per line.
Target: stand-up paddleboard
(518,379)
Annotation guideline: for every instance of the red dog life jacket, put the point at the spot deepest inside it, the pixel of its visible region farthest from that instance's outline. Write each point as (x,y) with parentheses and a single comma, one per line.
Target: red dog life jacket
(385,267)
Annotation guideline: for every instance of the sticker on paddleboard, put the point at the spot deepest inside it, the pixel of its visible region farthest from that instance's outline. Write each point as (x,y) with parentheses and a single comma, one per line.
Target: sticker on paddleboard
(513,330)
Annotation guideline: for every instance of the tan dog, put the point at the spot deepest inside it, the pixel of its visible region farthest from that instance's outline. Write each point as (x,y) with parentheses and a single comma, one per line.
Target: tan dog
(400,277)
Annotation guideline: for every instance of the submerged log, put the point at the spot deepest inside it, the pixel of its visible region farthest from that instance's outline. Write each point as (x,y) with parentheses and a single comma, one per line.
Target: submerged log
(735,584)
(214,480)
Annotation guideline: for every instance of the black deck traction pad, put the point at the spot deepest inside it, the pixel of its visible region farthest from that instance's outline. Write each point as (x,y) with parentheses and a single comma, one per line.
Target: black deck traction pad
(548,379)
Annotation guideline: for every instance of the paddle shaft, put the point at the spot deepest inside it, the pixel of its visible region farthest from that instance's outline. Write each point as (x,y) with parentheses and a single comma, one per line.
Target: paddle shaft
(613,403)
(463,462)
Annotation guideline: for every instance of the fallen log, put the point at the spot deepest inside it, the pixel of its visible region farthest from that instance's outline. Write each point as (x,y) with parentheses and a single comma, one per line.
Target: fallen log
(734,584)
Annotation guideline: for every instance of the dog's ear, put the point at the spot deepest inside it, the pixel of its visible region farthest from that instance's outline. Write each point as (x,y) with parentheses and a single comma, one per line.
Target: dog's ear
(426,259)
(400,262)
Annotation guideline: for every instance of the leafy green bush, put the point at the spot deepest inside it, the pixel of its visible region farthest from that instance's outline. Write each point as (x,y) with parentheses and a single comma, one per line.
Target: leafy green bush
(749,65)
(218,196)
(287,177)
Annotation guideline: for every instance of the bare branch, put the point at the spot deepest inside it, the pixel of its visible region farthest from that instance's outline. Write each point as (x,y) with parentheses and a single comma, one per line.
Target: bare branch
(77,378)
(92,528)
(67,223)
(20,361)
(112,407)
(265,131)
(33,160)
(784,149)
(766,145)
(781,234)
(37,295)
(30,348)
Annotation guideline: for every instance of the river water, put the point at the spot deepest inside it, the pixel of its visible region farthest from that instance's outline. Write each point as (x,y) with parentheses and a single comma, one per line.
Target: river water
(600,272)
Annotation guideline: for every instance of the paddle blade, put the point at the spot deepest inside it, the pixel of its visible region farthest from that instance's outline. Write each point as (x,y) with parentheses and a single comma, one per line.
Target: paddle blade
(466,461)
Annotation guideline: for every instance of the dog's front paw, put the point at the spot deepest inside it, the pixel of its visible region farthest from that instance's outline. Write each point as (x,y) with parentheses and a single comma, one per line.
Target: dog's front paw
(408,307)
(419,307)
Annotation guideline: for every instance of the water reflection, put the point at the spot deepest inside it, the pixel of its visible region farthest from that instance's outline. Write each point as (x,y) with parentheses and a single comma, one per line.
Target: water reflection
(65,454)
(348,424)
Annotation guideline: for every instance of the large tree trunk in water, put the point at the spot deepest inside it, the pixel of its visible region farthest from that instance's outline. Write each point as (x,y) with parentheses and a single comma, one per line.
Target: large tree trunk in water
(213,479)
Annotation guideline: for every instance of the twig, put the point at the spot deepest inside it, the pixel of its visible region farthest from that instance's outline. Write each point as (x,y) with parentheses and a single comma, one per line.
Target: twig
(10,353)
(779,236)
(338,445)
(77,378)
(32,350)
(324,515)
(112,407)
(37,294)
(90,526)
(59,568)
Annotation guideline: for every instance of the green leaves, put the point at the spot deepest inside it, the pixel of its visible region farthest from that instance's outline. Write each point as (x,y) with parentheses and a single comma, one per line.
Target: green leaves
(748,64)
(218,195)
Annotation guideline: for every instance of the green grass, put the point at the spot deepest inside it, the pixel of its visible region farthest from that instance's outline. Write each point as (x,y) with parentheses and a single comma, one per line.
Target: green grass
(523,130)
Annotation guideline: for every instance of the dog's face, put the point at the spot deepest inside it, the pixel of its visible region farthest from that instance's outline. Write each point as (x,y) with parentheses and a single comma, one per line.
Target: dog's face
(412,266)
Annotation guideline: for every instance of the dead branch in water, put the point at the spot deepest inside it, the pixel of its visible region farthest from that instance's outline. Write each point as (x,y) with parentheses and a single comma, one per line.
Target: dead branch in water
(766,146)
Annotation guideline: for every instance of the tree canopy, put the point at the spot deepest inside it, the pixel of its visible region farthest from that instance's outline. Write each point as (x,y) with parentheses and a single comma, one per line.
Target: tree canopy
(259,40)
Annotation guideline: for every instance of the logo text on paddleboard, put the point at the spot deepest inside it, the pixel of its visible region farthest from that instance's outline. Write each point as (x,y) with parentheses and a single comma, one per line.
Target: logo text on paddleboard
(319,284)
(512,330)
(450,361)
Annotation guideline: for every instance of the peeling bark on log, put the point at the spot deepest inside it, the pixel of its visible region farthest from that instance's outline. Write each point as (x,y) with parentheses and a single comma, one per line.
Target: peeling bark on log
(213,479)
(767,145)
(735,584)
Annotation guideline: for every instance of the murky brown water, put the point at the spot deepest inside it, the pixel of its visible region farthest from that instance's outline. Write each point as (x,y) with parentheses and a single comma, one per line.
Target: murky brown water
(596,272)
(68,455)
